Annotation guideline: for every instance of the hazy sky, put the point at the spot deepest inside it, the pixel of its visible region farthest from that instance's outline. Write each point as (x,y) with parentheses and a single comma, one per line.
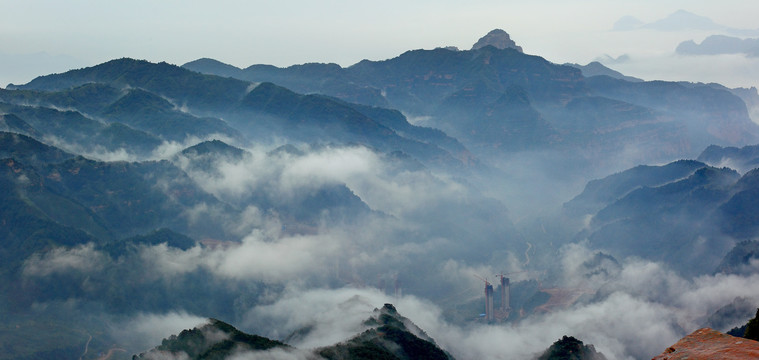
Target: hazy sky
(39,37)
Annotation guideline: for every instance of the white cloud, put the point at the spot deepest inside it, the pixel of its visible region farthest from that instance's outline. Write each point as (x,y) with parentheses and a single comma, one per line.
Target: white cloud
(82,258)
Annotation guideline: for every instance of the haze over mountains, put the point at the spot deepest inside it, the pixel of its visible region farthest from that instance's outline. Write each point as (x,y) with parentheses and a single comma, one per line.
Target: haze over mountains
(143,198)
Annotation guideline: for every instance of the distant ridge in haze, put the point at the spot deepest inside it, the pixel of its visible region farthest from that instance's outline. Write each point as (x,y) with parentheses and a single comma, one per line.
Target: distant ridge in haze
(595,68)
(720,44)
(680,20)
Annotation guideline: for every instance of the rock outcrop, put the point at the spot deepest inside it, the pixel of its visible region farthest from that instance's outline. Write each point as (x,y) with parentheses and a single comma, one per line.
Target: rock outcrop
(497,38)
(710,344)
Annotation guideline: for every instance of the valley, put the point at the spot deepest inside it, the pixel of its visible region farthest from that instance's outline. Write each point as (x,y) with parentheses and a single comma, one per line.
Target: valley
(311,205)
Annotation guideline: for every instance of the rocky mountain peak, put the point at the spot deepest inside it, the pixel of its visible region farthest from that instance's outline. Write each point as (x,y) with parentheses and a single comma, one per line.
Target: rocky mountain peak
(497,38)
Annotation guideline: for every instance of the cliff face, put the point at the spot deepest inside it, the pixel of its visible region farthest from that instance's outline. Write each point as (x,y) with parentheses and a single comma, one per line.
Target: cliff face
(708,344)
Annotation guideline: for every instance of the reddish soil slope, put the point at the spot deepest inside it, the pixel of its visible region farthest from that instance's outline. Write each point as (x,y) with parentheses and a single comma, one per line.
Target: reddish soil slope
(712,345)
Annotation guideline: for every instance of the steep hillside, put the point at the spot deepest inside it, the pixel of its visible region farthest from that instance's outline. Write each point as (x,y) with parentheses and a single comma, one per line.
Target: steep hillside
(684,210)
(467,94)
(742,159)
(569,348)
(174,103)
(388,335)
(216,340)
(601,192)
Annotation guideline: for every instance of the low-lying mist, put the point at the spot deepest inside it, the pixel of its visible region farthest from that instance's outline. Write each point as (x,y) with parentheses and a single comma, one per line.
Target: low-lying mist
(421,245)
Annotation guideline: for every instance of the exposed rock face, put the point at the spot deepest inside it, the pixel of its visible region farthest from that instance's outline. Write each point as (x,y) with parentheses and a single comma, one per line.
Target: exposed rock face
(711,344)
(497,38)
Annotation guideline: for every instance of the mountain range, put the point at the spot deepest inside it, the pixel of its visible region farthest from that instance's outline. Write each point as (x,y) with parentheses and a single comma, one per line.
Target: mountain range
(136,188)
(384,335)
(498,100)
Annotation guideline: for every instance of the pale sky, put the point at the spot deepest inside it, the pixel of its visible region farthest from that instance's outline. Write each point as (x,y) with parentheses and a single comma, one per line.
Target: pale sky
(41,37)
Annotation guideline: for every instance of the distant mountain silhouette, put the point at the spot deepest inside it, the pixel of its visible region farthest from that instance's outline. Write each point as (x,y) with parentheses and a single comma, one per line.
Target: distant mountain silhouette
(742,159)
(595,68)
(720,44)
(465,94)
(680,20)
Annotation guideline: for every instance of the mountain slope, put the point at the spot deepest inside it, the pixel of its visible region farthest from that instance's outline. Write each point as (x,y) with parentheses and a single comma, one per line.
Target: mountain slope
(710,115)
(316,118)
(154,93)
(463,93)
(388,336)
(602,192)
(149,112)
(689,211)
(181,85)
(742,159)
(28,150)
(215,340)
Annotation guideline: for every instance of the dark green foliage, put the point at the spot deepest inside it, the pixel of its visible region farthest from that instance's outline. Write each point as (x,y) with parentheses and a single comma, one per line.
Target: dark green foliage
(388,338)
(748,331)
(752,328)
(737,331)
(216,340)
(569,348)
